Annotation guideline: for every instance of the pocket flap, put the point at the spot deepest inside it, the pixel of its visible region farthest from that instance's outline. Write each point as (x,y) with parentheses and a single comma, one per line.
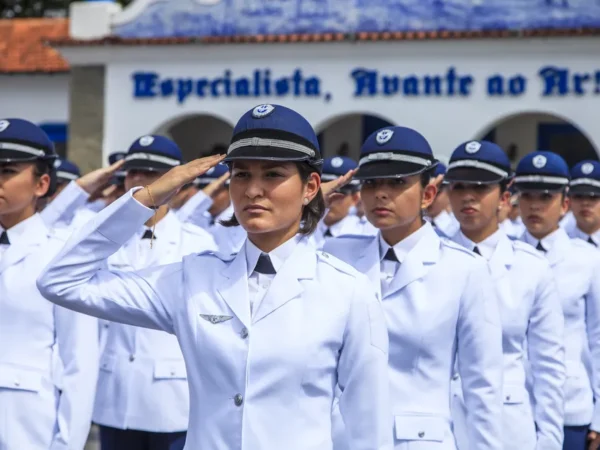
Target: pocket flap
(420,428)
(20,379)
(170,369)
(513,394)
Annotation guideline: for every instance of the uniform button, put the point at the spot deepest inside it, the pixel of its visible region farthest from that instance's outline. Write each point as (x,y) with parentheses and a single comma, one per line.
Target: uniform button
(421,434)
(17,383)
(131,358)
(244,333)
(455,377)
(238,400)
(172,373)
(105,325)
(507,397)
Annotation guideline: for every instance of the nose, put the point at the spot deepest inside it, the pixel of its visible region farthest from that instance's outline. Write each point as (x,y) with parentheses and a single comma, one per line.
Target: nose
(381,192)
(254,188)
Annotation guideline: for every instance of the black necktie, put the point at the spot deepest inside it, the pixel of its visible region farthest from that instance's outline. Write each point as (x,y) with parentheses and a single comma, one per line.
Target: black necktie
(148,235)
(264,265)
(390,255)
(591,241)
(328,233)
(476,250)
(4,238)
(540,247)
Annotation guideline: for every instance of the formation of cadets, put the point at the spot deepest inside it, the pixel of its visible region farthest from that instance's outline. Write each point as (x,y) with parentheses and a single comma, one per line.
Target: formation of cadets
(267,299)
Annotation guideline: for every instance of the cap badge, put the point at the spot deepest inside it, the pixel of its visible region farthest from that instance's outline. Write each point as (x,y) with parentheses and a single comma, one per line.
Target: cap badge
(337,162)
(262,111)
(4,125)
(539,161)
(384,136)
(587,168)
(472,147)
(146,141)
(209,171)
(57,163)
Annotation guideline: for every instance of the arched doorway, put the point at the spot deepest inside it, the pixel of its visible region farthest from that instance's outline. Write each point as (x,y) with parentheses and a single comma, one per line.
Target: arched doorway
(523,133)
(344,135)
(198,134)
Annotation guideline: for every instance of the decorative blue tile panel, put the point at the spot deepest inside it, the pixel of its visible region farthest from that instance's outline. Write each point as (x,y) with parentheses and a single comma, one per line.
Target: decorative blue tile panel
(171,18)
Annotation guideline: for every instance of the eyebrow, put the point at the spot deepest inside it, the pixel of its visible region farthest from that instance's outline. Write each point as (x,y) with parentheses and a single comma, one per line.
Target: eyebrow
(267,166)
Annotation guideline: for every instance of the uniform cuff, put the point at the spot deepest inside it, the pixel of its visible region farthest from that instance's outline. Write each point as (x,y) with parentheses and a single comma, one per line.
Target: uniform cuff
(595,425)
(123,218)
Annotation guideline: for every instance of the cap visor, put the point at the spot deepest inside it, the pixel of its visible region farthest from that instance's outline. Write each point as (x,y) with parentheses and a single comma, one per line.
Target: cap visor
(585,189)
(16,156)
(144,164)
(472,176)
(539,187)
(389,169)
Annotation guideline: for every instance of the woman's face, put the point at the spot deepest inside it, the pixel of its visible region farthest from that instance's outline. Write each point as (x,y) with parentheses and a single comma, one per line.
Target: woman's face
(395,203)
(476,206)
(20,188)
(268,196)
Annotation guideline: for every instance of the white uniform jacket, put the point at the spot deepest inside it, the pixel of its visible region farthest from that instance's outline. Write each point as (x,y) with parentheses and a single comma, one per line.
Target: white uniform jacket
(532,338)
(143,382)
(576,269)
(439,308)
(195,210)
(35,413)
(445,223)
(349,225)
(257,382)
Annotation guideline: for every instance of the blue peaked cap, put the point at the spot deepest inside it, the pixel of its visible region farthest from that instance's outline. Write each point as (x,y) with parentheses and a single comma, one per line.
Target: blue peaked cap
(21,140)
(116,156)
(66,170)
(542,171)
(337,166)
(585,178)
(394,152)
(212,174)
(153,153)
(274,132)
(440,169)
(478,162)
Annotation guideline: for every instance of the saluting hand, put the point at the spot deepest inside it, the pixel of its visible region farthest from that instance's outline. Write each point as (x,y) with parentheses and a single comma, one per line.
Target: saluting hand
(163,189)
(330,187)
(98,179)
(215,185)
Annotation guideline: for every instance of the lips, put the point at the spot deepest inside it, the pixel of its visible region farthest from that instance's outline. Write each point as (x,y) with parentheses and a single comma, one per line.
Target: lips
(468,210)
(381,211)
(255,208)
(534,218)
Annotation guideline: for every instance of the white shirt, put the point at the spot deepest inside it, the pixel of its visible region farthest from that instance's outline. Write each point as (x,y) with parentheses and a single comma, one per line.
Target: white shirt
(547,242)
(259,283)
(577,233)
(401,249)
(14,234)
(486,248)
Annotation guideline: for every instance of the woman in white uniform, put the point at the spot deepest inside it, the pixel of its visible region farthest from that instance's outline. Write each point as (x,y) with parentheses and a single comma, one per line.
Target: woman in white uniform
(268,333)
(436,298)
(39,408)
(542,179)
(532,320)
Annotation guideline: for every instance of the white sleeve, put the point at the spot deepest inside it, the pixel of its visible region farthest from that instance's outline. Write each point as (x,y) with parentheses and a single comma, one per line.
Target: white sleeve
(193,210)
(546,354)
(480,359)
(363,374)
(64,205)
(592,306)
(77,277)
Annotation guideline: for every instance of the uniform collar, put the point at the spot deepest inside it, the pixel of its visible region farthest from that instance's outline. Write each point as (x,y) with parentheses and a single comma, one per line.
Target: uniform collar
(277,256)
(577,233)
(549,242)
(487,247)
(19,231)
(403,248)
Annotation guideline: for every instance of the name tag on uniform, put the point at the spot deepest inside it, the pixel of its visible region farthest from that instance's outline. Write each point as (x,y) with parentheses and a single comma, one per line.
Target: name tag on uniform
(215,319)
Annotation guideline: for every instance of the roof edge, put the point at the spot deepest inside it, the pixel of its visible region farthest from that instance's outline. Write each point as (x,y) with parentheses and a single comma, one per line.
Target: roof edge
(331,37)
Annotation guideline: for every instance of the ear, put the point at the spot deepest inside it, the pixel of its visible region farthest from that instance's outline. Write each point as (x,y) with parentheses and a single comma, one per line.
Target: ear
(312,186)
(566,203)
(356,197)
(505,199)
(429,194)
(42,185)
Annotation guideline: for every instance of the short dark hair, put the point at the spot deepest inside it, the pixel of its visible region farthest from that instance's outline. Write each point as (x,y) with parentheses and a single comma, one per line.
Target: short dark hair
(311,213)
(426,177)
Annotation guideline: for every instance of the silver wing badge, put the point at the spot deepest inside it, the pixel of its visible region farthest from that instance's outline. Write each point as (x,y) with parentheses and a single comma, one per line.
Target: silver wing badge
(215,319)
